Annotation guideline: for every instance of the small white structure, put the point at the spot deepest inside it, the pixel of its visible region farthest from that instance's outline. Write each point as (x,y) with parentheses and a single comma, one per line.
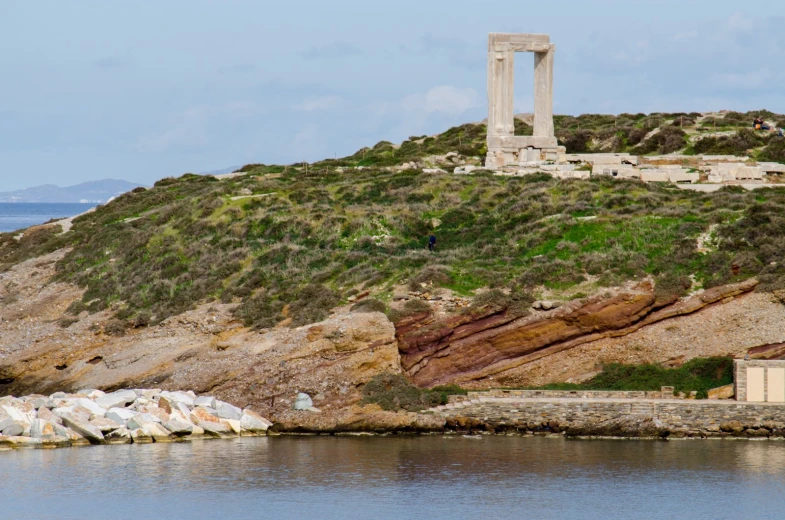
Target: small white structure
(759,381)
(728,172)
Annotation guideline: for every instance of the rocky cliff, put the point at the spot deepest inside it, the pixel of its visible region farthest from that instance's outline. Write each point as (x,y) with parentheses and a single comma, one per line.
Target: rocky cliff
(477,345)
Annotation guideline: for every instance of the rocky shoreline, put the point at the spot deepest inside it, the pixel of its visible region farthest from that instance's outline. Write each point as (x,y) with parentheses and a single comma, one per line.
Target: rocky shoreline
(126,416)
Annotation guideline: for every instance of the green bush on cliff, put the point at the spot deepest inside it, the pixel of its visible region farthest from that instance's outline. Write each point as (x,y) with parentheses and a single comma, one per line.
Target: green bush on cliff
(700,375)
(394,392)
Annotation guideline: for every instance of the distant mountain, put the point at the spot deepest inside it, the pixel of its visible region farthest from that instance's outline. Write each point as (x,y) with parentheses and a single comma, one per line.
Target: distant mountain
(93,191)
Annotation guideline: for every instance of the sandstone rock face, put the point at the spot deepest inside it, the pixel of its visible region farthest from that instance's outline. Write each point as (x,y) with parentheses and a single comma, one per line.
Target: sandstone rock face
(477,345)
(205,349)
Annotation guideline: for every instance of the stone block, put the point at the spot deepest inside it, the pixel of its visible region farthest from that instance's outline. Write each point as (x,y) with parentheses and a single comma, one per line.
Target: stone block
(141,436)
(179,428)
(206,400)
(117,399)
(227,411)
(121,415)
(83,428)
(105,424)
(254,422)
(121,435)
(159,433)
(89,404)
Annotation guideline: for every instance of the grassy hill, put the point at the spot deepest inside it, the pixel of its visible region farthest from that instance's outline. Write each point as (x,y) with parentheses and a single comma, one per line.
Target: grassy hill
(293,242)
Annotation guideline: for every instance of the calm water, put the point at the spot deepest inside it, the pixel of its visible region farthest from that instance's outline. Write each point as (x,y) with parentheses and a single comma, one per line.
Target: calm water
(398,478)
(20,215)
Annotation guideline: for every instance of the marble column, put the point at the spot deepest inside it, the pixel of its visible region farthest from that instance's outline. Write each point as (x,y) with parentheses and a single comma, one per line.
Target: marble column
(501,92)
(543,93)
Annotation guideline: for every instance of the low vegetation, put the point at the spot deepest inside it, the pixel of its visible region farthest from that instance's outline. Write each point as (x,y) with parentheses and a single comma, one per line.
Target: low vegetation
(288,243)
(698,375)
(394,392)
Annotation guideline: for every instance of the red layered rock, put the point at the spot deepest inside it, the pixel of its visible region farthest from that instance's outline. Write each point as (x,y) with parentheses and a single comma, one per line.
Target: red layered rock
(476,345)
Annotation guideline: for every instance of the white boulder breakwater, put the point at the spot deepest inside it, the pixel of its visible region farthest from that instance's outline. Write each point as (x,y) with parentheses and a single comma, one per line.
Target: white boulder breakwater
(121,417)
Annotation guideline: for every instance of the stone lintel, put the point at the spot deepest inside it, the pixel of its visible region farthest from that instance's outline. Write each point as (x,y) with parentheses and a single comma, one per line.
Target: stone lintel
(517,142)
(517,39)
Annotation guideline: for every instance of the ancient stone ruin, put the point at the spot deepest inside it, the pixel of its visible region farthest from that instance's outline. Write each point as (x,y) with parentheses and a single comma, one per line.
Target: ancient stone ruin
(504,147)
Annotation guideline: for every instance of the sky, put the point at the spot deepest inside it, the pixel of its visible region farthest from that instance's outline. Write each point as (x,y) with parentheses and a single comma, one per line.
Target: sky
(145,89)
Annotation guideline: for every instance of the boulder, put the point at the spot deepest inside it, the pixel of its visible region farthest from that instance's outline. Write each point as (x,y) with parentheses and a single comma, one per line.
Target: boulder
(303,402)
(228,411)
(179,428)
(41,429)
(199,415)
(183,408)
(165,405)
(722,392)
(38,401)
(14,441)
(121,435)
(216,429)
(141,420)
(159,433)
(47,415)
(74,438)
(117,399)
(76,411)
(10,427)
(55,442)
(208,401)
(141,436)
(83,428)
(253,422)
(179,397)
(89,404)
(92,393)
(105,425)
(121,415)
(198,431)
(234,425)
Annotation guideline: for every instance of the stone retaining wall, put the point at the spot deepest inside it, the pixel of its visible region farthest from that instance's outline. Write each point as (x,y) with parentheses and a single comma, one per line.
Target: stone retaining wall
(665,393)
(618,417)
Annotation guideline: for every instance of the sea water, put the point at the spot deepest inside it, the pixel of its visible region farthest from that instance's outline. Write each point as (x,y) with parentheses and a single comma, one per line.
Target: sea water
(431,477)
(19,215)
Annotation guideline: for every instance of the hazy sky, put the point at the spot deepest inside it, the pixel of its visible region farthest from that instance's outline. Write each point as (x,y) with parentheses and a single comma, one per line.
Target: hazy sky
(145,89)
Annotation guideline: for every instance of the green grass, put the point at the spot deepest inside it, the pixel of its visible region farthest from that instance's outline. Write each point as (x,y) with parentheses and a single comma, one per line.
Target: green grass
(699,375)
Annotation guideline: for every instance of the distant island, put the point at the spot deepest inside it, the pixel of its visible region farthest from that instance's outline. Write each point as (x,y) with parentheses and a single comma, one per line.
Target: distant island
(96,192)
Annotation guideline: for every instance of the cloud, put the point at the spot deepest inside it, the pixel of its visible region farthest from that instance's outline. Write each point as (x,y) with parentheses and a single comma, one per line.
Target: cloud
(333,50)
(443,99)
(314,103)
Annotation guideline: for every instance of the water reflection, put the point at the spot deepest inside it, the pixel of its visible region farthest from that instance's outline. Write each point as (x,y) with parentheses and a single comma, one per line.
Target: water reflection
(417,477)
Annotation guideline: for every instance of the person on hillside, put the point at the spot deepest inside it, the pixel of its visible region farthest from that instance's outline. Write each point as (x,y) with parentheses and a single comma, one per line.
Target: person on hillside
(780,132)
(757,123)
(432,243)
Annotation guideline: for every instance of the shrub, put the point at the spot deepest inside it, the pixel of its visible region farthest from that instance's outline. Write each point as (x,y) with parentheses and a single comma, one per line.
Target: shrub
(410,308)
(699,374)
(369,305)
(394,392)
(115,327)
